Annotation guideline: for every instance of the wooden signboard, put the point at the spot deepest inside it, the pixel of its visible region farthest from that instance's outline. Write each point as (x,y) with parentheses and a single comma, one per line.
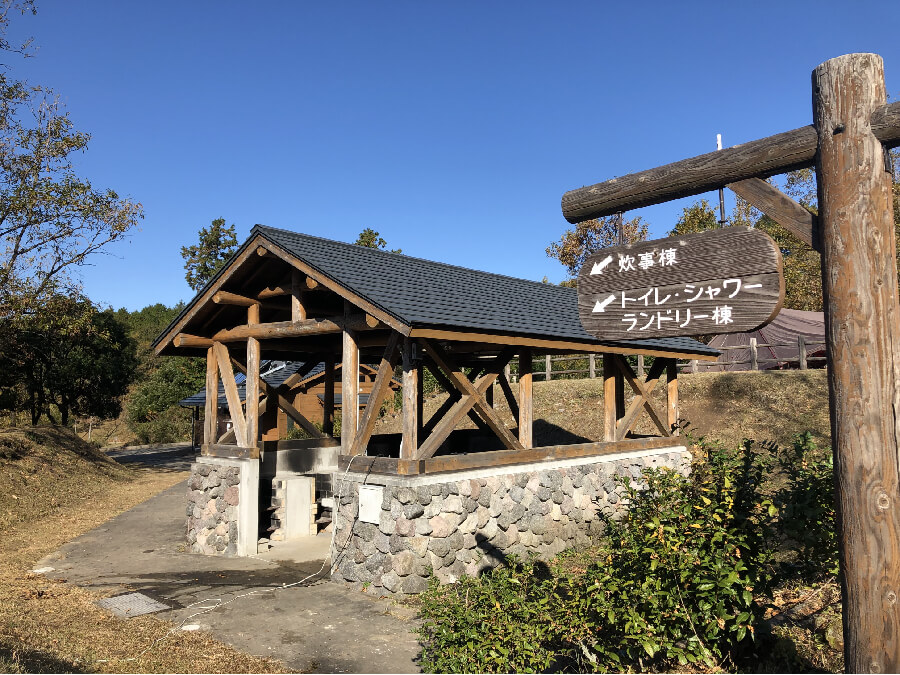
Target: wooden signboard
(720,281)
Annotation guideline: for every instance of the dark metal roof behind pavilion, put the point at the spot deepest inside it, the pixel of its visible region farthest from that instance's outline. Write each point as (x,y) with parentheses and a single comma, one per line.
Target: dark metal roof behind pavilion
(273,372)
(424,293)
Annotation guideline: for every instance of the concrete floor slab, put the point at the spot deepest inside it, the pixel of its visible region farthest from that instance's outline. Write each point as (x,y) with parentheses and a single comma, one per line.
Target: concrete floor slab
(275,604)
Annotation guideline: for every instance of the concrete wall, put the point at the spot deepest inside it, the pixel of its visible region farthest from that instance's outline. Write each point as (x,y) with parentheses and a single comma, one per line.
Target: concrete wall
(403,529)
(223,506)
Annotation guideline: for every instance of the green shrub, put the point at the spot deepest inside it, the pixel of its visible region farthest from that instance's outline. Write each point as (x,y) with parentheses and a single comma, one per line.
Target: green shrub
(807,507)
(684,567)
(496,623)
(675,584)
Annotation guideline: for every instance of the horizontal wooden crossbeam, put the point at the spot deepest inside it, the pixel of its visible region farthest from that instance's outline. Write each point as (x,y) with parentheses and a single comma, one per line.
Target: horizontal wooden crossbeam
(766,157)
(289,329)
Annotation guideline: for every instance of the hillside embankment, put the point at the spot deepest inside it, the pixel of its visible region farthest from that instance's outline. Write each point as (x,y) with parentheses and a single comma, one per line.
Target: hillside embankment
(762,406)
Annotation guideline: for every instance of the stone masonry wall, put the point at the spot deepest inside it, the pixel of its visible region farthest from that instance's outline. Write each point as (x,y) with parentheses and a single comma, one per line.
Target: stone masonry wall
(463,525)
(212,509)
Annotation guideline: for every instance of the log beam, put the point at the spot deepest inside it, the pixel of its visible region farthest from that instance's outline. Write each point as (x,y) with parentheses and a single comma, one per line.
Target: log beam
(757,159)
(289,329)
(186,340)
(227,298)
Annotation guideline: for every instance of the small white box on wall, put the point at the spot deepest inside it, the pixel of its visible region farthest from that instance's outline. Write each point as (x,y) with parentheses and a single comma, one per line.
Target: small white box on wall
(370,497)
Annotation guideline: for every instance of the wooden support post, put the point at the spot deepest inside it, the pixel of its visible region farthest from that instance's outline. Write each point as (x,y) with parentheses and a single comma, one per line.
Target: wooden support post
(801,351)
(526,400)
(507,372)
(610,415)
(251,398)
(298,310)
(672,394)
(409,444)
(548,368)
(754,355)
(328,398)
(420,398)
(640,365)
(211,412)
(862,328)
(620,387)
(592,366)
(349,387)
(694,363)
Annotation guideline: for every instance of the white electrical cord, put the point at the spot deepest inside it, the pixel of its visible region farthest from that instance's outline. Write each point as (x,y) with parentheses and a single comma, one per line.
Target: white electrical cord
(219,602)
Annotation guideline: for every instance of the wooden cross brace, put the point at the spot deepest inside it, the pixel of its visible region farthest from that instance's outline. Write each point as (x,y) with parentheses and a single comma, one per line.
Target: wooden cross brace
(641,400)
(380,390)
(472,396)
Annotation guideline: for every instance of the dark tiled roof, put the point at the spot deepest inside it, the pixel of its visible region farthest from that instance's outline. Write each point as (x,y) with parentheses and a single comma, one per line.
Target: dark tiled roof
(423,293)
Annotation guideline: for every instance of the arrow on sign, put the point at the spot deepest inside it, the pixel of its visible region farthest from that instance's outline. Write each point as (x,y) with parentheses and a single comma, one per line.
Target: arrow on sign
(599,266)
(601,306)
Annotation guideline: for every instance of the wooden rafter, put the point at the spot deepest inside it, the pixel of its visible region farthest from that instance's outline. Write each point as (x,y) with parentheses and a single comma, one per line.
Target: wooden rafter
(642,391)
(473,396)
(376,397)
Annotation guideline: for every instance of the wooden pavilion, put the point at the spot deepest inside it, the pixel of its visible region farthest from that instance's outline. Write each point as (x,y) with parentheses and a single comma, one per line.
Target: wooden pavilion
(285,295)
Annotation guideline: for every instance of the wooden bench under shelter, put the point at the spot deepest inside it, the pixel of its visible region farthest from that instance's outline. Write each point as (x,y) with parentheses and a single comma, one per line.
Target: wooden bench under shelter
(290,296)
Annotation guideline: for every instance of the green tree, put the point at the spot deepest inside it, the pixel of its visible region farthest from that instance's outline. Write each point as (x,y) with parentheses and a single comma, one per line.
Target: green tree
(698,217)
(69,359)
(151,406)
(202,260)
(590,236)
(51,219)
(152,410)
(371,239)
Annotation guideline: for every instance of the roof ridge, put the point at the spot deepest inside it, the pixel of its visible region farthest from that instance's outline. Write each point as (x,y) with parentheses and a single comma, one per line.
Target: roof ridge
(263,228)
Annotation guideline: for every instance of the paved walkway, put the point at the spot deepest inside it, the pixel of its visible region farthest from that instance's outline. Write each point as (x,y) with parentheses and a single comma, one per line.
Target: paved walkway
(316,626)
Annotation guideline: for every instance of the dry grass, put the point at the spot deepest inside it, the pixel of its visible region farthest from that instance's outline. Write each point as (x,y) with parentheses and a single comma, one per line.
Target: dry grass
(765,406)
(51,626)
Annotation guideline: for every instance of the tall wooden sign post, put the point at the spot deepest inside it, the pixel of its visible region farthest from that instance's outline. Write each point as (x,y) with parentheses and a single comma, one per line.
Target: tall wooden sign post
(855,234)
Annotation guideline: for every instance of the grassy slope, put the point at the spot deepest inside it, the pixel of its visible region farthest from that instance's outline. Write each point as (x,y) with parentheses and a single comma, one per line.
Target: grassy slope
(728,406)
(53,487)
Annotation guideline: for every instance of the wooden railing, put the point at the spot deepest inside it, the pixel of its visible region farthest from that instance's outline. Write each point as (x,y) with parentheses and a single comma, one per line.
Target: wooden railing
(754,361)
(590,365)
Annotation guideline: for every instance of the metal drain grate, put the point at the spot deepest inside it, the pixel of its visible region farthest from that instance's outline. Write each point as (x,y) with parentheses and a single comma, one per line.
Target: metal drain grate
(132,604)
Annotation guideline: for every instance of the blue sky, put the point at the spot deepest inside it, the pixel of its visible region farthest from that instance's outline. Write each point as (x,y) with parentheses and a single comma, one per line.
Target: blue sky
(453,129)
